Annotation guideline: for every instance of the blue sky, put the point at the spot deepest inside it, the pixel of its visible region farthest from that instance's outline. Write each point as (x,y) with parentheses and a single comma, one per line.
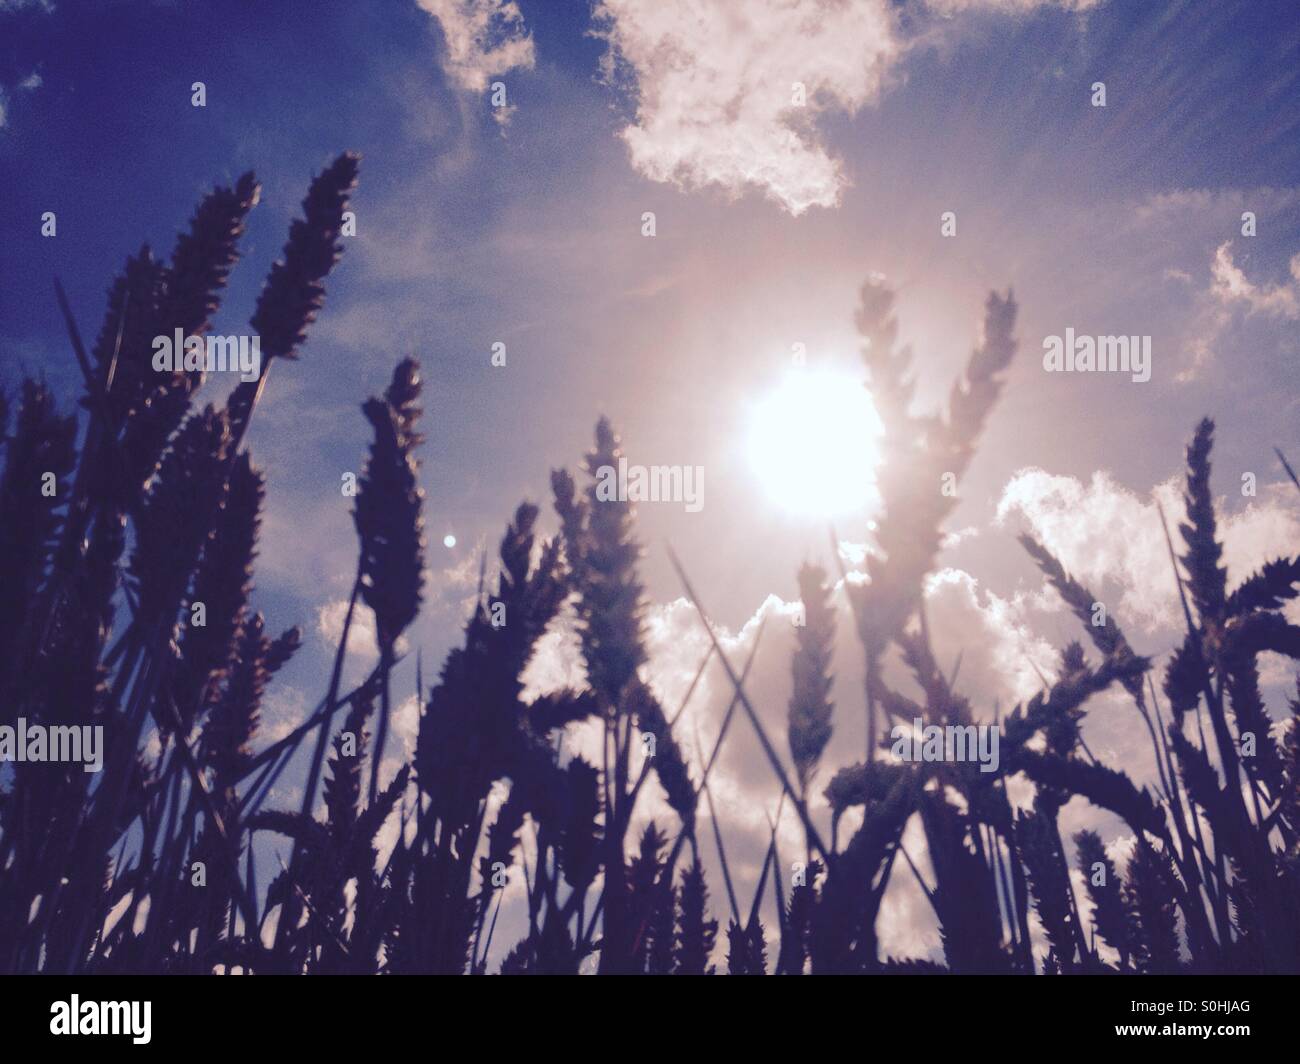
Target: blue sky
(474,227)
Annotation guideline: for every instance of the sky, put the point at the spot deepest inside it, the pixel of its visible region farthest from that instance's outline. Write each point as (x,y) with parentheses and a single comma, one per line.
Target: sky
(525,224)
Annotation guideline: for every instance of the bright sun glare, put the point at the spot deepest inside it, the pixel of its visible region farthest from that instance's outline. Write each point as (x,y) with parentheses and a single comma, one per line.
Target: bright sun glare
(813,442)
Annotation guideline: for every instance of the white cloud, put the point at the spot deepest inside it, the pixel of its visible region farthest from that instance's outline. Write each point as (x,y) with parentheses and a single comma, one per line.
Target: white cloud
(1008,7)
(405,725)
(1230,285)
(958,536)
(1221,295)
(30,83)
(1109,537)
(715,85)
(715,88)
(557,663)
(484,38)
(362,638)
(283,708)
(1001,657)
(990,633)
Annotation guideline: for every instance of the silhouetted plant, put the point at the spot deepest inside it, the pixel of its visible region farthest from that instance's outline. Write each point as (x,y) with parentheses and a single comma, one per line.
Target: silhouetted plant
(150,865)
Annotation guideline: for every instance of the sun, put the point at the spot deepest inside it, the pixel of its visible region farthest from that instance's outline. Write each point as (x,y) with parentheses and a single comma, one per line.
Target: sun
(813,442)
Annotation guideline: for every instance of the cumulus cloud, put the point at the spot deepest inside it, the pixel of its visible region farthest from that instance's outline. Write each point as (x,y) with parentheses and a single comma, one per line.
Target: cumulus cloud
(557,664)
(716,87)
(484,38)
(729,94)
(1231,286)
(999,654)
(1109,537)
(1002,658)
(362,637)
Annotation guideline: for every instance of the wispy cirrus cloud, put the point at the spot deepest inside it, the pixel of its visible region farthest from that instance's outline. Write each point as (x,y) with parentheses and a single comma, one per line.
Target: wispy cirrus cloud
(31,83)
(1009,7)
(484,38)
(1232,296)
(1231,286)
